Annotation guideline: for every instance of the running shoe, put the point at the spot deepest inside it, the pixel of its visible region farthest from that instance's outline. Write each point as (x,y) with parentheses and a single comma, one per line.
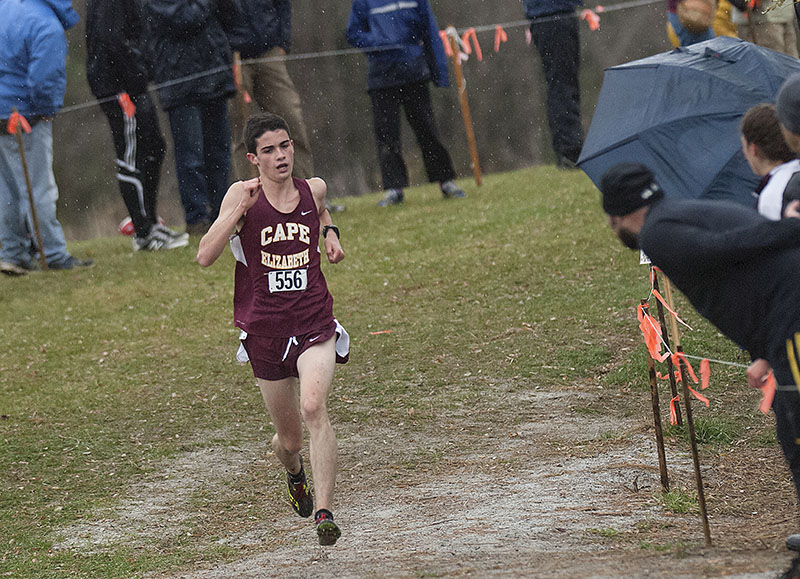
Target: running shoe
(299,493)
(327,531)
(392,197)
(451,191)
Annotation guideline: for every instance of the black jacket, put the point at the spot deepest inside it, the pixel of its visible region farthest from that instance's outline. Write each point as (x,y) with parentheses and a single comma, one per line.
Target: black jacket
(190,47)
(116,59)
(261,26)
(738,269)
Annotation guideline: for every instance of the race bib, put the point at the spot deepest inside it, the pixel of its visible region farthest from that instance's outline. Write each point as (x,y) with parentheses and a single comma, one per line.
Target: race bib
(287,280)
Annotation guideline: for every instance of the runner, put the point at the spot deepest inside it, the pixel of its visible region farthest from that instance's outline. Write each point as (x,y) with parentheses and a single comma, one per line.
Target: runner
(283,307)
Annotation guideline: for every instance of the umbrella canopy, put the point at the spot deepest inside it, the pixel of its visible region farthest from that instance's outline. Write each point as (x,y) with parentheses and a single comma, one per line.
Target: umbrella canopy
(679,114)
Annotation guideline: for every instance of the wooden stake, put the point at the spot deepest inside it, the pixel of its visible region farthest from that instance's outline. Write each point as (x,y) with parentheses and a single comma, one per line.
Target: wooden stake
(665,336)
(662,457)
(701,495)
(462,93)
(29,186)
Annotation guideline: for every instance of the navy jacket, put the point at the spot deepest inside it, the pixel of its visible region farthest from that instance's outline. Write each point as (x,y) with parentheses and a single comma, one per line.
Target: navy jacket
(188,39)
(116,58)
(738,269)
(537,8)
(33,55)
(261,26)
(411,25)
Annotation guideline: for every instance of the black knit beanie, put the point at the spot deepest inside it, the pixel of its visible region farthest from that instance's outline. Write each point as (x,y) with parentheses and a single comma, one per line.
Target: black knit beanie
(627,187)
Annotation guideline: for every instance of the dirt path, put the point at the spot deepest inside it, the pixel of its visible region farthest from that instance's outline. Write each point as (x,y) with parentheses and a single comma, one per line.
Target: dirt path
(555,492)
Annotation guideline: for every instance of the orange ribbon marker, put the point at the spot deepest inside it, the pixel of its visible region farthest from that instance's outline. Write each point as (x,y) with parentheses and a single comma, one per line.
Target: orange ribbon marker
(652,334)
(705,373)
(447,50)
(125,102)
(678,357)
(591,18)
(17,120)
(500,36)
(470,33)
(661,299)
(768,393)
(673,415)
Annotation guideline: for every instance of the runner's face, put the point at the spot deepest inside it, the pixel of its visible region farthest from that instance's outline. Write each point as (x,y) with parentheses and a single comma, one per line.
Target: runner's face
(274,155)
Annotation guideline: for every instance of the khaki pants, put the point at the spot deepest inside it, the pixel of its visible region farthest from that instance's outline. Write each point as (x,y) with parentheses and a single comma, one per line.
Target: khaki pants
(778,36)
(271,89)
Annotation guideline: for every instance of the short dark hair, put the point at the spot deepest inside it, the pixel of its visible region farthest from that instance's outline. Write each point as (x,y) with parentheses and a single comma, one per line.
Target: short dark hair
(760,126)
(259,124)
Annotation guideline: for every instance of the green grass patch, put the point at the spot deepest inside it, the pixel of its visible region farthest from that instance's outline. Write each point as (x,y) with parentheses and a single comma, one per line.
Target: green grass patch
(679,501)
(108,374)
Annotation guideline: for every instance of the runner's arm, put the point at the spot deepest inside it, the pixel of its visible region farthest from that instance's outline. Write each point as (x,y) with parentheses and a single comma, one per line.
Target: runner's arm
(239,198)
(333,248)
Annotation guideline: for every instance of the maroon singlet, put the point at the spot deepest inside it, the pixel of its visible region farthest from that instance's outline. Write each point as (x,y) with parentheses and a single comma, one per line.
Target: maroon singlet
(281,291)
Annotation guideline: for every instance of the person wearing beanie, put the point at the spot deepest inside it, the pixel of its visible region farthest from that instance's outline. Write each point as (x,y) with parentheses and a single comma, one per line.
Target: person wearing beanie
(736,267)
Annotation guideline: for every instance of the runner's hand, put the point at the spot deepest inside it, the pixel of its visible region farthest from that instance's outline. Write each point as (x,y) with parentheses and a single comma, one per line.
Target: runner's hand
(757,373)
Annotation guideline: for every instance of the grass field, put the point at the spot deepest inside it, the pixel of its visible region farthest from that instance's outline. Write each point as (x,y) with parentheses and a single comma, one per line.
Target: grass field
(105,373)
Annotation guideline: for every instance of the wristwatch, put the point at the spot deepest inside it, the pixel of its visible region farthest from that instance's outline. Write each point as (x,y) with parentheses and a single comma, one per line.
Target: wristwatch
(330,228)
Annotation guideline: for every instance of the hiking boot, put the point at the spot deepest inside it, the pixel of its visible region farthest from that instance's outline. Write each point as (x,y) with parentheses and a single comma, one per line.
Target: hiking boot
(392,197)
(17,269)
(160,237)
(299,493)
(451,191)
(71,263)
(327,531)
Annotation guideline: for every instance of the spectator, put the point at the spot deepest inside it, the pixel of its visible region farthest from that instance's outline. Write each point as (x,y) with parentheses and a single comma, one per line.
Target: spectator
(787,107)
(769,25)
(398,77)
(769,157)
(33,51)
(193,71)
(737,268)
(263,32)
(678,34)
(554,30)
(118,72)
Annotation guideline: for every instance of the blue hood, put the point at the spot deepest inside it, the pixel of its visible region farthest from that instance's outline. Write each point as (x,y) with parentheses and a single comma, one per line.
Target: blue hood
(65,12)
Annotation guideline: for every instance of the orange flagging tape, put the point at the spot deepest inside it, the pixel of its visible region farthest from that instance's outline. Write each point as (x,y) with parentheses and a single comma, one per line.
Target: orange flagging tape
(705,373)
(673,414)
(380,332)
(447,49)
(661,299)
(591,18)
(17,120)
(651,333)
(126,104)
(768,393)
(677,357)
(500,36)
(470,33)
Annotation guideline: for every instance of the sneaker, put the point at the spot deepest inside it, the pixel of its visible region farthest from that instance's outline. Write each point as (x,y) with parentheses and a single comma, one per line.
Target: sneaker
(171,232)
(392,197)
(160,238)
(333,208)
(451,191)
(299,493)
(17,269)
(327,531)
(71,263)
